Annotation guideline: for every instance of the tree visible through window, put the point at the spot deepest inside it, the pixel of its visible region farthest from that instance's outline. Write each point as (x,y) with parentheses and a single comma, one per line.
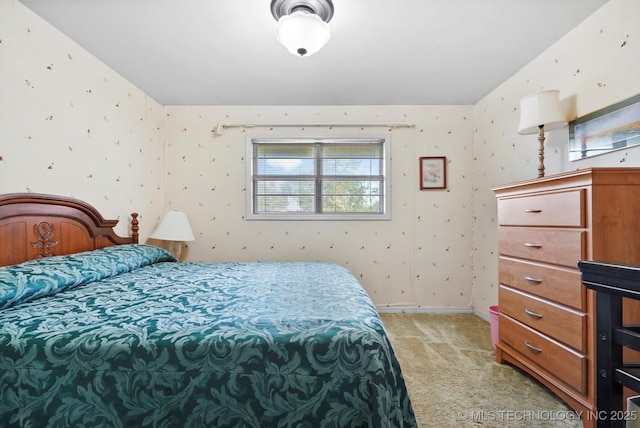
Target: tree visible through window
(295,178)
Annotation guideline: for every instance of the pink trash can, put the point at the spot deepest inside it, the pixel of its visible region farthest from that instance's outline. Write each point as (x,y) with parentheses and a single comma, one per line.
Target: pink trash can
(493,320)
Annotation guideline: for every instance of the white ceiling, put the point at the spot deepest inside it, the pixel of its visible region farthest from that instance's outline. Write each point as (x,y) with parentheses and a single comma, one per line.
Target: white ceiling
(395,52)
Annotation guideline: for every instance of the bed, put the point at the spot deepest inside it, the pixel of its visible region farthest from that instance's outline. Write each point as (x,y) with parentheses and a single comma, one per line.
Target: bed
(99,330)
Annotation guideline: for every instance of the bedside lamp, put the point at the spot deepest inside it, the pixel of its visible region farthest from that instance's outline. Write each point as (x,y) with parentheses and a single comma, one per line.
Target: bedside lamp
(174,228)
(540,112)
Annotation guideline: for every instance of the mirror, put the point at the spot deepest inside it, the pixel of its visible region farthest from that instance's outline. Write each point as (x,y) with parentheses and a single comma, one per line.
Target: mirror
(611,128)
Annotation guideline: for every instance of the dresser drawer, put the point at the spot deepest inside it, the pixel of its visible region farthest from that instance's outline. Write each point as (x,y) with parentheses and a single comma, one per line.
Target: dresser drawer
(561,247)
(565,364)
(558,322)
(566,209)
(553,283)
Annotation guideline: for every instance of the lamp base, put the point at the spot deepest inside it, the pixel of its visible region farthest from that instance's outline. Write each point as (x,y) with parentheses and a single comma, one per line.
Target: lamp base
(541,152)
(175,248)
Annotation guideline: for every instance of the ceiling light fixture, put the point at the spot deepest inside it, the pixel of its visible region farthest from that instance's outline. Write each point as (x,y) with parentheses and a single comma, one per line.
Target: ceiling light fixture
(302,24)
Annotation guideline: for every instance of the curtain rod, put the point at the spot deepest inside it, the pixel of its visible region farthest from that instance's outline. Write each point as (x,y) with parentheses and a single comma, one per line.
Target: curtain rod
(219,129)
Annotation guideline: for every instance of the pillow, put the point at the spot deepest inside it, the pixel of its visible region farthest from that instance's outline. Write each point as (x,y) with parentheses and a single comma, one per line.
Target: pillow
(46,276)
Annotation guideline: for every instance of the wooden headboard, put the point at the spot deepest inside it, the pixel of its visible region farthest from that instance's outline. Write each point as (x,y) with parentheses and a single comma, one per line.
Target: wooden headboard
(35,225)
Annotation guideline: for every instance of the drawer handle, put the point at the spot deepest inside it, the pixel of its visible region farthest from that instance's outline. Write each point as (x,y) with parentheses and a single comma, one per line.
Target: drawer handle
(532,245)
(533,348)
(535,280)
(533,211)
(532,314)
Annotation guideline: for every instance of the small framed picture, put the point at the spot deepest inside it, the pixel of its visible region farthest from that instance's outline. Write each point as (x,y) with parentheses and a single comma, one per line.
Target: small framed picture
(433,172)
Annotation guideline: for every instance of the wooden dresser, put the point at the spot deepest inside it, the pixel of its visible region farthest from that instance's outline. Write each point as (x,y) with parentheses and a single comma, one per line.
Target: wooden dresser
(545,226)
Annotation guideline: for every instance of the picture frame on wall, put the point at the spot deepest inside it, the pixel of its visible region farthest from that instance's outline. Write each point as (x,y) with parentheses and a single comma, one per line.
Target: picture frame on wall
(433,172)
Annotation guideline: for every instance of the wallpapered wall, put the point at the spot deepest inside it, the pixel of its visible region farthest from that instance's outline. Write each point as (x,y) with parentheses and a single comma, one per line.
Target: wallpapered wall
(71,126)
(420,258)
(595,65)
(83,131)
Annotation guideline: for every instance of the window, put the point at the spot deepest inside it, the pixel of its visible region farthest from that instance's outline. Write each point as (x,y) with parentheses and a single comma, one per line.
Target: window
(319,179)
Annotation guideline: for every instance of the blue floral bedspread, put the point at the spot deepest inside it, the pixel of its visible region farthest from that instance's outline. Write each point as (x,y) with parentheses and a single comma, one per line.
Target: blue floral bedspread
(125,336)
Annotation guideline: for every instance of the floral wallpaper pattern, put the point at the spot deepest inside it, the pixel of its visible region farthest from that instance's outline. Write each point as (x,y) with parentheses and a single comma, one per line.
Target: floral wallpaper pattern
(595,65)
(70,125)
(418,259)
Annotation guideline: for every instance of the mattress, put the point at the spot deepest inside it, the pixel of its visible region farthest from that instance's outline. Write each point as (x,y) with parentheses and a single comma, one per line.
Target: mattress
(126,336)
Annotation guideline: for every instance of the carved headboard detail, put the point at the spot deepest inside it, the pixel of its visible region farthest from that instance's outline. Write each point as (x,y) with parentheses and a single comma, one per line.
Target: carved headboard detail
(45,232)
(36,225)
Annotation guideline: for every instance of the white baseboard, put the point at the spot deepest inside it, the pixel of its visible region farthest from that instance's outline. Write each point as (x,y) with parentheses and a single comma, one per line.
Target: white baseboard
(481,315)
(427,310)
(422,310)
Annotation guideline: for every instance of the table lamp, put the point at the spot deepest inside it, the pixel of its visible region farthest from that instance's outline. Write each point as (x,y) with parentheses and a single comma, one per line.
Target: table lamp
(537,113)
(174,228)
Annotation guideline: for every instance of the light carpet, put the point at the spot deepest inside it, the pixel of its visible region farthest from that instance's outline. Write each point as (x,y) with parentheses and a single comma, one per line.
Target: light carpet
(454,381)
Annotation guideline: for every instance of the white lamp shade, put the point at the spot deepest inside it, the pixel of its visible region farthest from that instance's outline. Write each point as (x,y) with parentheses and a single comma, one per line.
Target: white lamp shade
(174,227)
(542,109)
(302,33)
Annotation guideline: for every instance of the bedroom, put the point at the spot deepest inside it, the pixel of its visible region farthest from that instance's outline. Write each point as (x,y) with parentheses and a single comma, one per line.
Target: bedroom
(73,126)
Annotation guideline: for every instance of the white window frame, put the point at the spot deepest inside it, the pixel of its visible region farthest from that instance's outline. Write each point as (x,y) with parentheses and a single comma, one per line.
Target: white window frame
(386,174)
